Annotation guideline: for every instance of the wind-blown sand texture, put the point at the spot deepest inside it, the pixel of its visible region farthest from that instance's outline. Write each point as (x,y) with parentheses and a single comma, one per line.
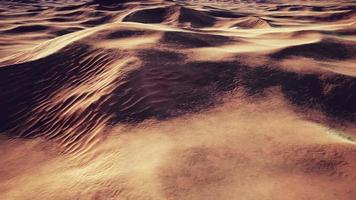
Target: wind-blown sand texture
(177,99)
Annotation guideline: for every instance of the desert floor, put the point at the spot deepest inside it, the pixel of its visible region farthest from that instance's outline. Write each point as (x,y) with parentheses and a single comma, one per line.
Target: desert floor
(182,100)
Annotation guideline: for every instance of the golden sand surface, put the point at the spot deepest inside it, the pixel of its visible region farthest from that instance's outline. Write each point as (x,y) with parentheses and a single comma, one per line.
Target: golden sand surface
(186,100)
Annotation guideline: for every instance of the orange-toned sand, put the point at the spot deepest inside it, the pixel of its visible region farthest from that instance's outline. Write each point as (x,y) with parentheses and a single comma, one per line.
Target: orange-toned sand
(183,100)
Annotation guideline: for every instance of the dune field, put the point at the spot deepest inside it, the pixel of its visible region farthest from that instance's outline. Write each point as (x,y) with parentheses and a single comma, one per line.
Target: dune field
(178,100)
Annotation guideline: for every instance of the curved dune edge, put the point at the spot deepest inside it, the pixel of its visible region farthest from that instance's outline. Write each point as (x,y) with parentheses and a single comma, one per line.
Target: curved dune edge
(47,48)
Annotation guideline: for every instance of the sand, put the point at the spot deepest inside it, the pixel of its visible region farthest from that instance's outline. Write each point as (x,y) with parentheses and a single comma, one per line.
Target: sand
(178,100)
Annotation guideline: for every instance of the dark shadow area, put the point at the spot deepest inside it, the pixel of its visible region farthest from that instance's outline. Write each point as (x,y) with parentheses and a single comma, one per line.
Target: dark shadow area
(27,89)
(126,34)
(319,50)
(193,40)
(196,18)
(27,29)
(154,15)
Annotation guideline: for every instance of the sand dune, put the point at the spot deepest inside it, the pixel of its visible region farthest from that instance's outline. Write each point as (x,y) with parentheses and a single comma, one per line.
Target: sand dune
(177,99)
